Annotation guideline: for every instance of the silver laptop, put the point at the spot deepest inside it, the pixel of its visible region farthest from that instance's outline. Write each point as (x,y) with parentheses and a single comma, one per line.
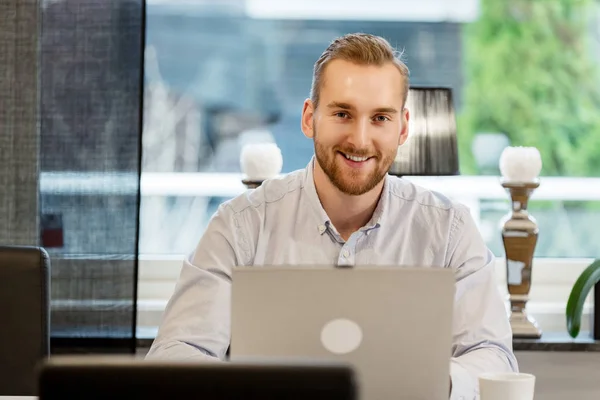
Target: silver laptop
(394,325)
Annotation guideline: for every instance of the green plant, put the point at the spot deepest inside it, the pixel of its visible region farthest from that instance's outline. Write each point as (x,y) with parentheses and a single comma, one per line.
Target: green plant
(586,281)
(532,73)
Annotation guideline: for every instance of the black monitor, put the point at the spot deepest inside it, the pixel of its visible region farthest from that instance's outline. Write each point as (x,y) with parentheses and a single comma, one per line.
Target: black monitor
(431,148)
(101,378)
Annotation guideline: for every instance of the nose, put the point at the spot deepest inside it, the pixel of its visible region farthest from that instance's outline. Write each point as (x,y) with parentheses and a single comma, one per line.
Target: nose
(359,134)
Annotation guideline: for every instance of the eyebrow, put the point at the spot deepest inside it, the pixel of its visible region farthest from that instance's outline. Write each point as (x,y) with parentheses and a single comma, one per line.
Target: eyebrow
(346,106)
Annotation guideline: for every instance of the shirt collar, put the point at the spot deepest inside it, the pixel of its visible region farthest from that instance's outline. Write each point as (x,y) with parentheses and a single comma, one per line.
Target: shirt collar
(323,218)
(313,197)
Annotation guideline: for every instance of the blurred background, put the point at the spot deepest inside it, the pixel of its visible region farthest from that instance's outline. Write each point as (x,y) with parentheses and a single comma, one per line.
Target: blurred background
(144,107)
(523,73)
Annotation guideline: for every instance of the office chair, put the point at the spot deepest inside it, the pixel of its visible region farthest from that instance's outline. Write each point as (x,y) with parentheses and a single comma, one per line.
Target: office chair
(24,317)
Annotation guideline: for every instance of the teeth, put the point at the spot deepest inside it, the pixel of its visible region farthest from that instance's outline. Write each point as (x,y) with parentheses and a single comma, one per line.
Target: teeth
(354,158)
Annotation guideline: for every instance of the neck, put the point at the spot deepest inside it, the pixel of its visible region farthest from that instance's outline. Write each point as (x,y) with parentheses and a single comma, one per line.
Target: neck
(347,213)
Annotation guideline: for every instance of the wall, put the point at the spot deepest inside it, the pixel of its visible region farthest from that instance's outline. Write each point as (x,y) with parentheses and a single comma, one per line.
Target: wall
(563,375)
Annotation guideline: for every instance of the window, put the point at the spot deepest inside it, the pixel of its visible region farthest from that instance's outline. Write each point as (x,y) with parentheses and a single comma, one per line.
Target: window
(220,74)
(90,85)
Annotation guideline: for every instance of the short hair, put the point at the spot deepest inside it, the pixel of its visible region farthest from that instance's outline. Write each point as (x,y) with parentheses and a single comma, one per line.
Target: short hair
(361,49)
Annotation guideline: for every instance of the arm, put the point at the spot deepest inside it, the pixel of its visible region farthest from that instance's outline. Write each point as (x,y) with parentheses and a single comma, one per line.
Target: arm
(482,334)
(196,322)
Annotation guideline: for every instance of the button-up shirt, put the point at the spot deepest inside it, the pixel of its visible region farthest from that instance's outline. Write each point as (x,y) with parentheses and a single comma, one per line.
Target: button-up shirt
(276,223)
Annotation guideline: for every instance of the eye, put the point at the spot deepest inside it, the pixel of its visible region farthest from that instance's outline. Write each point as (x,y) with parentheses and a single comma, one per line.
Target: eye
(341,114)
(381,118)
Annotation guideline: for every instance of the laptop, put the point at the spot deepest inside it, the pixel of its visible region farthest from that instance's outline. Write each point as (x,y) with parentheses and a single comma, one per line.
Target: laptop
(108,377)
(394,325)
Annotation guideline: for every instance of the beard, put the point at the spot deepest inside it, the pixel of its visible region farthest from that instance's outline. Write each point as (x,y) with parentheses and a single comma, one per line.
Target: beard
(352,182)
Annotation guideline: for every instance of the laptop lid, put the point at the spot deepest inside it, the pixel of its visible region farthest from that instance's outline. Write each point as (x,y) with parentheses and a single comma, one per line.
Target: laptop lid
(393,324)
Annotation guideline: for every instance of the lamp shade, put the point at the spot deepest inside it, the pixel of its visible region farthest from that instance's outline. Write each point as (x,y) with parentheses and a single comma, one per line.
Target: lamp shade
(431,148)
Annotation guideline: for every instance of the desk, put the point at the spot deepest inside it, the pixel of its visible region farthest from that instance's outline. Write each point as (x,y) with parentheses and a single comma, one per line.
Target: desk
(18,398)
(558,341)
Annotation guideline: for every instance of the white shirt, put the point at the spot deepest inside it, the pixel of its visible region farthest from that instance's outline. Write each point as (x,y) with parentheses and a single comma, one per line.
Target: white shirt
(276,223)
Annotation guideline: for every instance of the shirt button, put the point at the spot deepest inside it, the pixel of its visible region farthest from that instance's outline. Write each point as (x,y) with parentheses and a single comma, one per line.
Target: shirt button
(345,253)
(322,228)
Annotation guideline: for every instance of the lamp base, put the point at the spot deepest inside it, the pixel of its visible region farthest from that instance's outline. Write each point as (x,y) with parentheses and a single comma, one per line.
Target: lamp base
(252,184)
(524,326)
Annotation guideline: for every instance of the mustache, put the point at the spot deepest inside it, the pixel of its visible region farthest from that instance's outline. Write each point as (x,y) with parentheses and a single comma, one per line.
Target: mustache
(355,151)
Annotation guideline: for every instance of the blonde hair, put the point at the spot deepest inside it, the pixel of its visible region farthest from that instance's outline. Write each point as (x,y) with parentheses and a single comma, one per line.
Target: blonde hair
(361,49)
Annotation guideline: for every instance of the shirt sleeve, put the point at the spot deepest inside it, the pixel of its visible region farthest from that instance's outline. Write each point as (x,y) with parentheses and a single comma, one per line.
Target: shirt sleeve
(482,336)
(196,320)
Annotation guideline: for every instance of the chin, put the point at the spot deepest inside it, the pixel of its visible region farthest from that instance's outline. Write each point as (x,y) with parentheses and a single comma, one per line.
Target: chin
(353,187)
(354,191)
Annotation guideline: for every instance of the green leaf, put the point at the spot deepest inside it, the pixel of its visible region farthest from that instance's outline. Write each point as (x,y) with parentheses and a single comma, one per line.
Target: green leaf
(586,281)
(531,72)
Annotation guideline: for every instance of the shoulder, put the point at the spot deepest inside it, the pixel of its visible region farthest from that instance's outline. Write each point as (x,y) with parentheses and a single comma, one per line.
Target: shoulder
(272,192)
(434,215)
(425,200)
(247,211)
(243,217)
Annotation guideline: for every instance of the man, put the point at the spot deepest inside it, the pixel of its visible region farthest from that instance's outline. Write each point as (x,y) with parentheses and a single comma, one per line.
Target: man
(344,209)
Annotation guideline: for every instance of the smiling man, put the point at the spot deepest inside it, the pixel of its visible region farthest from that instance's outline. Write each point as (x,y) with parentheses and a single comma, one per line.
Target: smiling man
(344,209)
(357,119)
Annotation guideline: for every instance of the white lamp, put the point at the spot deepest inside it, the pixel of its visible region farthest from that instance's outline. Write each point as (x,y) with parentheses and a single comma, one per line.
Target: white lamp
(520,168)
(520,164)
(260,161)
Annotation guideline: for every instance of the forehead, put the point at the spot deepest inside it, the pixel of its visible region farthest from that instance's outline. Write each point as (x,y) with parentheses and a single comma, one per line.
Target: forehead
(362,85)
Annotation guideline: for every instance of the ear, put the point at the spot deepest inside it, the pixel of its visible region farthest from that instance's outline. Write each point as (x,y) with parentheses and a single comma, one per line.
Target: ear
(404,133)
(308,113)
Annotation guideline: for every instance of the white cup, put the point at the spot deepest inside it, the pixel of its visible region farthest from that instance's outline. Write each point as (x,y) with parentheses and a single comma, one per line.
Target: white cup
(506,386)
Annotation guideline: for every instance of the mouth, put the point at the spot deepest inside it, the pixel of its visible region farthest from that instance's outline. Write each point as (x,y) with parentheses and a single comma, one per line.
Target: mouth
(355,161)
